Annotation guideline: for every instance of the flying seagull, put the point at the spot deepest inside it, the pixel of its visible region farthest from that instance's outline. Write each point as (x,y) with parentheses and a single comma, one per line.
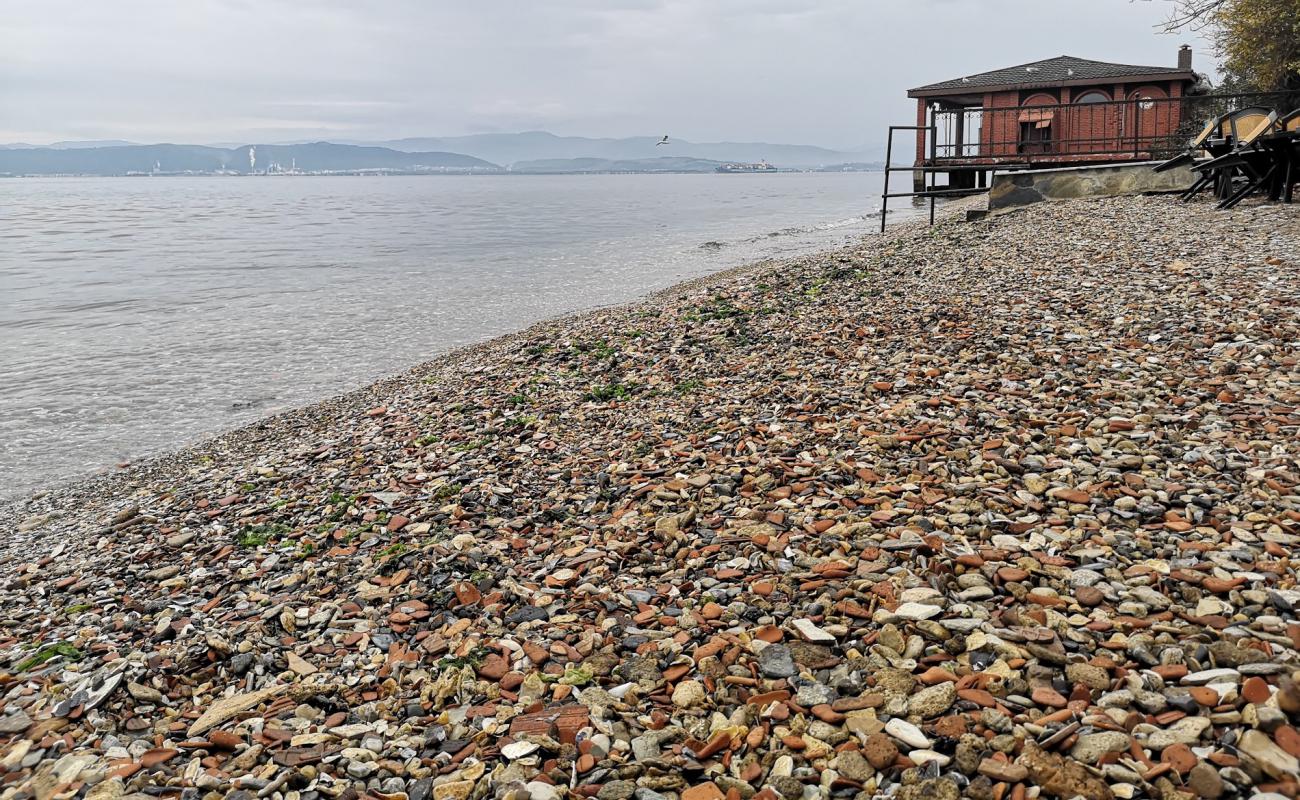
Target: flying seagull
(662,141)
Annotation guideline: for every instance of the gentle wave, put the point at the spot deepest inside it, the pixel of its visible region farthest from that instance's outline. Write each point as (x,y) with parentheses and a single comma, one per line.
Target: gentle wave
(142,314)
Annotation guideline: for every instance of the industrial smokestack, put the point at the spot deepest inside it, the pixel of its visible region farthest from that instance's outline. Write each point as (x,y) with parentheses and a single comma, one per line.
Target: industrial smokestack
(1185,57)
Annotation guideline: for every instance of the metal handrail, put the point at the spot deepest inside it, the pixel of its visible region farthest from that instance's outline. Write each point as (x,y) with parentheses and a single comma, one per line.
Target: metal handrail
(1138,127)
(1135,128)
(889,167)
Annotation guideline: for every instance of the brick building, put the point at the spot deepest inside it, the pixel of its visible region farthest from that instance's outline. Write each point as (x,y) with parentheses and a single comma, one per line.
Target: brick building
(1056,112)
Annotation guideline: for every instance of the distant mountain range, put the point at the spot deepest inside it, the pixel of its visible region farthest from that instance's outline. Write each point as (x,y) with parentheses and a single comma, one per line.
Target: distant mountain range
(316,157)
(67,145)
(553,166)
(531,152)
(510,148)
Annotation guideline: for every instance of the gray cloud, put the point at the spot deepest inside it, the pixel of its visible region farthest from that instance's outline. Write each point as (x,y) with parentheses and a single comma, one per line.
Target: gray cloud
(833,72)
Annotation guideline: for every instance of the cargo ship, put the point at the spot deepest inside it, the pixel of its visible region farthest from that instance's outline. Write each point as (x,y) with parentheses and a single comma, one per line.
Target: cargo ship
(761,166)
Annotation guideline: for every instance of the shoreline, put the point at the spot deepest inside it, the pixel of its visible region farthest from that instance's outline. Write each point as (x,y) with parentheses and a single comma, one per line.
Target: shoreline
(172,462)
(62,433)
(953,512)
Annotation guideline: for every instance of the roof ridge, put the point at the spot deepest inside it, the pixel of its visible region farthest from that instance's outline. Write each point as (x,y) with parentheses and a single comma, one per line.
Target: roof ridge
(1064,63)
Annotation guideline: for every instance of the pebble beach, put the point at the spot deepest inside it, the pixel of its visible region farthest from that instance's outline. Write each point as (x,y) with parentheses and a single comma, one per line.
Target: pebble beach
(1000,509)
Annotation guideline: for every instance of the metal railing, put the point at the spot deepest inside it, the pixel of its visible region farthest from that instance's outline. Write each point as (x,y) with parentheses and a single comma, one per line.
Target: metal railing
(983,140)
(1089,129)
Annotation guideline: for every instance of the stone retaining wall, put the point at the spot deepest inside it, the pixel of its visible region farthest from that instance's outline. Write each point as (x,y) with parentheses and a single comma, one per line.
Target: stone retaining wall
(1012,189)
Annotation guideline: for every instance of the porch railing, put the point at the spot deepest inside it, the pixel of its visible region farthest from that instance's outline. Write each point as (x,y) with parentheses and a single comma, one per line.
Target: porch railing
(1136,128)
(977,142)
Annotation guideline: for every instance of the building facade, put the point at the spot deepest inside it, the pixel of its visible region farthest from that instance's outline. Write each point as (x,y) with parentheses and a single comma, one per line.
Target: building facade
(1060,111)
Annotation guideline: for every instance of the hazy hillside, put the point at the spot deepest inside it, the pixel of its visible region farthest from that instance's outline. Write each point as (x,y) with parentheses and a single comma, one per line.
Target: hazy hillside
(72,145)
(570,165)
(326,156)
(316,157)
(509,148)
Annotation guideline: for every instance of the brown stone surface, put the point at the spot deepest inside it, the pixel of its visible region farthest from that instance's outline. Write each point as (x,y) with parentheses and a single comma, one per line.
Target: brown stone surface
(1044,462)
(1060,777)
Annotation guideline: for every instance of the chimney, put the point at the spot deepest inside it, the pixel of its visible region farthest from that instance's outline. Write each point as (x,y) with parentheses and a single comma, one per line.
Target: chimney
(1185,58)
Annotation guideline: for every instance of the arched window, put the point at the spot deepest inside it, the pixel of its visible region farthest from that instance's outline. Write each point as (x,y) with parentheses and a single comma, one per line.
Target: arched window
(1093,96)
(1035,117)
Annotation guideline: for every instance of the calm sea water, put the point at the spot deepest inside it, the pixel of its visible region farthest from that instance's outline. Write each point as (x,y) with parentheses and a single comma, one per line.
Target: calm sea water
(137,315)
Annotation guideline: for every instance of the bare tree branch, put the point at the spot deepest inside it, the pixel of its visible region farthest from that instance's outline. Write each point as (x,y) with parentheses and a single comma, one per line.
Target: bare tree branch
(1195,15)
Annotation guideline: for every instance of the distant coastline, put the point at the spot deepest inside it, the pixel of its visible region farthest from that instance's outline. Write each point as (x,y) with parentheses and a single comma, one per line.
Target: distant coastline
(495,154)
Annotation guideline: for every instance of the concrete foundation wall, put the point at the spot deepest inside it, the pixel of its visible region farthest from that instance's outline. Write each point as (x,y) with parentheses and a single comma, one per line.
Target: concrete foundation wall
(1011,189)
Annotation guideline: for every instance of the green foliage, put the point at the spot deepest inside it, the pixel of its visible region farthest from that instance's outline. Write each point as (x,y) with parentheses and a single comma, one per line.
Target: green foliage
(577,676)
(48,652)
(522,421)
(609,391)
(446,490)
(816,289)
(1257,41)
(573,676)
(465,447)
(471,659)
(250,540)
(687,387)
(394,549)
(258,535)
(718,308)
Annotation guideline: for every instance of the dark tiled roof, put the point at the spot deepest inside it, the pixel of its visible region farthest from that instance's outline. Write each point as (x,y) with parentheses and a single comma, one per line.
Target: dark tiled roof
(1050,70)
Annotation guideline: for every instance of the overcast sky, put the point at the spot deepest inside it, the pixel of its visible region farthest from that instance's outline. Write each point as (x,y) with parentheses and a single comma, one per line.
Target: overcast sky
(827,72)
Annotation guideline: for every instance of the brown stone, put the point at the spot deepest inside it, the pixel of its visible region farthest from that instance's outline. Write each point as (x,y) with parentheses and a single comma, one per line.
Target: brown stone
(1255,690)
(825,713)
(1180,757)
(935,675)
(1220,585)
(1170,672)
(152,758)
(561,722)
(512,680)
(979,697)
(536,653)
(879,750)
(703,791)
(467,593)
(717,744)
(951,726)
(1005,771)
(494,666)
(1062,777)
(870,700)
(1204,695)
(1047,696)
(1089,596)
(1288,738)
(1072,495)
(225,740)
